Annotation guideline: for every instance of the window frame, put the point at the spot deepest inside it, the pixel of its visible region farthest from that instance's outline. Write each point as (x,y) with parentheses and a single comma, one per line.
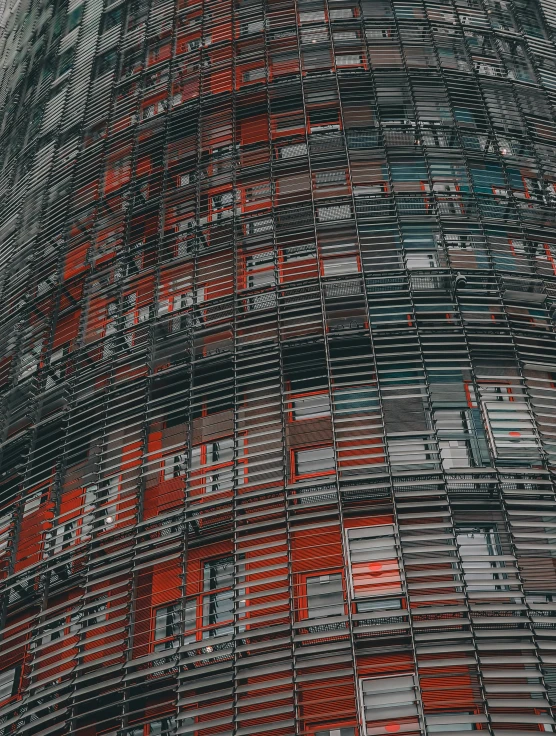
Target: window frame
(295,396)
(361,693)
(295,477)
(396,572)
(303,601)
(201,626)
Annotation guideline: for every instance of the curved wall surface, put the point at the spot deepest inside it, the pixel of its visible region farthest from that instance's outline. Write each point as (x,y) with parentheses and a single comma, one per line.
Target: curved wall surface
(278,367)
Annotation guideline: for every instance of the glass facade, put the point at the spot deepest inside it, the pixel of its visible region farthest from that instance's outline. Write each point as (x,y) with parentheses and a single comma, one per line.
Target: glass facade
(277,367)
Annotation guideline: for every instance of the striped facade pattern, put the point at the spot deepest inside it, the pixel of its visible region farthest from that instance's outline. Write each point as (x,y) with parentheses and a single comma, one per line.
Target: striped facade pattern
(277,367)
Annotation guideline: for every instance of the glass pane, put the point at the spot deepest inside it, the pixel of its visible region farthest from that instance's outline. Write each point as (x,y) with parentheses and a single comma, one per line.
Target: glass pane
(325,596)
(164,727)
(221,451)
(316,460)
(392,699)
(476,544)
(190,615)
(356,400)
(222,480)
(219,574)
(374,561)
(167,622)
(218,607)
(311,407)
(6,683)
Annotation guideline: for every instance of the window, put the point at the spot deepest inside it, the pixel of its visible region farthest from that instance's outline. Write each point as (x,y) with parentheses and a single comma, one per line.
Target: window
(329,179)
(341,266)
(212,465)
(111,19)
(356,400)
(70,623)
(221,205)
(259,270)
(312,462)
(32,504)
(509,424)
(63,536)
(186,306)
(52,630)
(314,16)
(101,503)
(211,612)
(375,568)
(312,405)
(390,704)
(325,595)
(349,60)
(90,617)
(65,61)
(162,727)
(475,545)
(106,62)
(448,722)
(422,260)
(293,150)
(8,683)
(381,610)
(30,361)
(110,330)
(74,18)
(337,731)
(218,597)
(166,627)
(174,466)
(334,212)
(462,440)
(5,527)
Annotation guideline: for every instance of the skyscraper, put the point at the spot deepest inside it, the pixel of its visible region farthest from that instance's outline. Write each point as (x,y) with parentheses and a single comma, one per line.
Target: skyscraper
(278,367)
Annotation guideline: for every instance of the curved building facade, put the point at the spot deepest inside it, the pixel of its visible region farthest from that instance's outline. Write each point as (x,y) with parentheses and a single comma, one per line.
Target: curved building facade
(278,367)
